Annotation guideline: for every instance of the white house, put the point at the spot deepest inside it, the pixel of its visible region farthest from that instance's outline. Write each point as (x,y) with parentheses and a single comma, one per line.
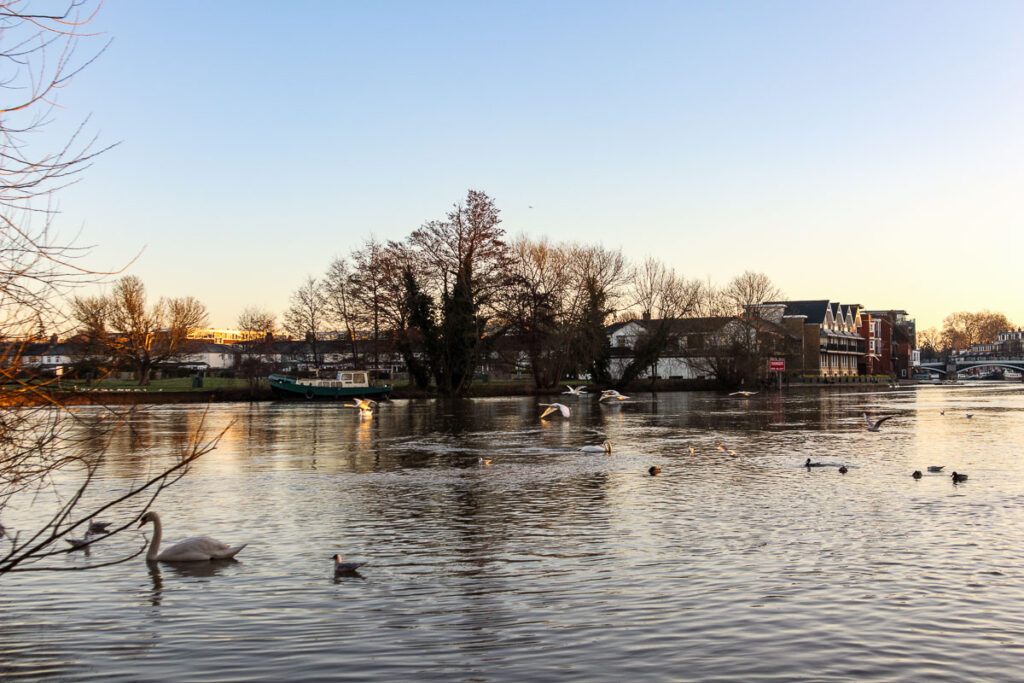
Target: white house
(693,348)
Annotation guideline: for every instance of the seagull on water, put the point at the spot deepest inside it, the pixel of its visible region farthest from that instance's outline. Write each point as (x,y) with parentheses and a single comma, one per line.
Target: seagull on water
(554,407)
(98,527)
(935,468)
(343,568)
(873,426)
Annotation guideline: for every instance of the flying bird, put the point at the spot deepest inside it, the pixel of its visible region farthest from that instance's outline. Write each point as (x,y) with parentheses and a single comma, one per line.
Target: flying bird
(574,391)
(609,394)
(873,426)
(553,407)
(364,405)
(744,394)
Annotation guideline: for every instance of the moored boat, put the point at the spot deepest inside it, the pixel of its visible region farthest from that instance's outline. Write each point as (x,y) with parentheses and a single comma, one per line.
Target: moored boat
(347,384)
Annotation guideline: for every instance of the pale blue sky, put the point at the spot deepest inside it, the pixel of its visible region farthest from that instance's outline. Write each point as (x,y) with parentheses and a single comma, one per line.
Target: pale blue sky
(866,152)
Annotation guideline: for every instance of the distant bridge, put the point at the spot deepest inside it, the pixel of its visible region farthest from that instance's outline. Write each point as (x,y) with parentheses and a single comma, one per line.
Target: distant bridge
(960,363)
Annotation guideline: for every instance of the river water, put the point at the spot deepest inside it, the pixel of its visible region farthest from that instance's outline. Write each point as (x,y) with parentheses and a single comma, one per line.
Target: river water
(551,564)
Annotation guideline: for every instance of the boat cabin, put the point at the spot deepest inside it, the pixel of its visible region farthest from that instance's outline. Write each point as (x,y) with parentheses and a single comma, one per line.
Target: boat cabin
(344,378)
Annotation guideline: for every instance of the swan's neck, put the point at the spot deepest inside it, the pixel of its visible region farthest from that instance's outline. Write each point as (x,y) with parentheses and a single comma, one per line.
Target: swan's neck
(158,532)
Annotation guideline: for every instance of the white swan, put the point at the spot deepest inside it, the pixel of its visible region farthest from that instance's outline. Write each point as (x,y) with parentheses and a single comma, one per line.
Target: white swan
(606,447)
(342,568)
(195,549)
(611,393)
(574,391)
(553,407)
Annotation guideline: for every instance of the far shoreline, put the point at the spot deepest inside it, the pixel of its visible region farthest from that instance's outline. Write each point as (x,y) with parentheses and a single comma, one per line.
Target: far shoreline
(142,396)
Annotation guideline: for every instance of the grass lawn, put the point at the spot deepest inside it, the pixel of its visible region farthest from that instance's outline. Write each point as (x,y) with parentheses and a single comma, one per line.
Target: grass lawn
(172,384)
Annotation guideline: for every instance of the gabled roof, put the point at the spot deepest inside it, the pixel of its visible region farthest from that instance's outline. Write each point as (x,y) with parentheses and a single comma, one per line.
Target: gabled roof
(814,310)
(615,327)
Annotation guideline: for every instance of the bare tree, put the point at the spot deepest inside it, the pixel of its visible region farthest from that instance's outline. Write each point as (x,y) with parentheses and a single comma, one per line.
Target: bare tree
(989,324)
(370,289)
(930,343)
(535,307)
(307,315)
(963,329)
(79,448)
(259,326)
(397,265)
(41,439)
(93,348)
(341,306)
(748,290)
(145,336)
(600,275)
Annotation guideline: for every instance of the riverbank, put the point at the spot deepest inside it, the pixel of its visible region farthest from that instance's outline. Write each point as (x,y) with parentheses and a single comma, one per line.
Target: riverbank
(233,394)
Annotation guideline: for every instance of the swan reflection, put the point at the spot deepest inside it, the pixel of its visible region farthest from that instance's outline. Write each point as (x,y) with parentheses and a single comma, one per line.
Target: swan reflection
(195,570)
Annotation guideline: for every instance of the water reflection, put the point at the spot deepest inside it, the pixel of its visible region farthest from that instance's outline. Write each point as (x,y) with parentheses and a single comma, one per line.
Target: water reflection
(554,560)
(190,570)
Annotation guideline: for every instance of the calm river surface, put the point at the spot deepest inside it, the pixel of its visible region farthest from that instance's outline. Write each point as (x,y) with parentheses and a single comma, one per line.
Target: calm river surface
(551,564)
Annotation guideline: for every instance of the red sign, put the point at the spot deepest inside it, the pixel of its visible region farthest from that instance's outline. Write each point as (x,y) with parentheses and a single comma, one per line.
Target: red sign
(776,366)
